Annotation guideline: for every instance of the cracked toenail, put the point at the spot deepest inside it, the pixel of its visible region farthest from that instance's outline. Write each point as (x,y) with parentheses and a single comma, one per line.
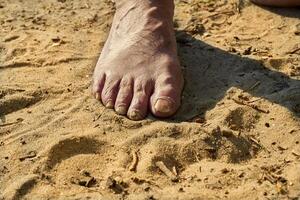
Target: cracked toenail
(135,115)
(122,110)
(97,96)
(163,106)
(109,104)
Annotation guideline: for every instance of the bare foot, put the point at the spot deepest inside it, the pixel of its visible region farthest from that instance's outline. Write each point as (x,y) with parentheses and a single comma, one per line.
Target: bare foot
(138,67)
(279,3)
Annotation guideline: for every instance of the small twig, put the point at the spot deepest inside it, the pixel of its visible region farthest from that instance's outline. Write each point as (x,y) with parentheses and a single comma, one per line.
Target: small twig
(255,107)
(270,178)
(135,161)
(206,68)
(220,13)
(255,141)
(296,48)
(98,117)
(252,101)
(258,144)
(7,124)
(239,6)
(31,154)
(296,154)
(174,171)
(254,86)
(166,171)
(11,123)
(196,155)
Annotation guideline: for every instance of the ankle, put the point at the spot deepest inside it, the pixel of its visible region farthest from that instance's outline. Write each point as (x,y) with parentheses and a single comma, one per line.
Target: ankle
(163,7)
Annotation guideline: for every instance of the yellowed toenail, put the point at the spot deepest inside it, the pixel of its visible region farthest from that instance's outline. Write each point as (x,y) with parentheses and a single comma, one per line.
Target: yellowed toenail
(135,115)
(163,106)
(97,96)
(109,104)
(122,110)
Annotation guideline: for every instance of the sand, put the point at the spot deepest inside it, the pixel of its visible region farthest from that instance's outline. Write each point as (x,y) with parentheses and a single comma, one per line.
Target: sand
(236,135)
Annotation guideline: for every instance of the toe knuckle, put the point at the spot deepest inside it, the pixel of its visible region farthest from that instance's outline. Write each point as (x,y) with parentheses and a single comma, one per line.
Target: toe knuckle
(167,80)
(137,102)
(169,60)
(123,97)
(139,88)
(142,86)
(125,83)
(141,94)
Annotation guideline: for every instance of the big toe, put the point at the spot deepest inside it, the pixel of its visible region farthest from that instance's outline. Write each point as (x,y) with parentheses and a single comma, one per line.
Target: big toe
(166,98)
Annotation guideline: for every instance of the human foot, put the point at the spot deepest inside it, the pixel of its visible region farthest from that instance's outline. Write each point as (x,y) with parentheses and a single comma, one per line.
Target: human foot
(279,3)
(138,67)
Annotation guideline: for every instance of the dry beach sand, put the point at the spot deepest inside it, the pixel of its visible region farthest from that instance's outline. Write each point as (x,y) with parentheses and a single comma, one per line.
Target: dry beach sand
(235,137)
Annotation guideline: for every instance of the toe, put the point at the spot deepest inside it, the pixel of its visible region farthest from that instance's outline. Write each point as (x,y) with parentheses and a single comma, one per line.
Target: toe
(97,85)
(167,96)
(110,91)
(124,96)
(140,101)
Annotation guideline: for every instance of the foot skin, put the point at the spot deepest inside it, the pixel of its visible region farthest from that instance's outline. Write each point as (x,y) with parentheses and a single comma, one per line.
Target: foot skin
(138,68)
(278,3)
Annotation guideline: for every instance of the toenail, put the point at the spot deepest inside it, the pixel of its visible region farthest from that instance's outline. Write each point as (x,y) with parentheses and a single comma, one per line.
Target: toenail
(109,104)
(97,96)
(135,115)
(122,110)
(164,105)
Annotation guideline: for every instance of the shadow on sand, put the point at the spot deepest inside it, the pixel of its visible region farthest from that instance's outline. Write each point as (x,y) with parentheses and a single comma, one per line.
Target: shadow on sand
(286,12)
(210,72)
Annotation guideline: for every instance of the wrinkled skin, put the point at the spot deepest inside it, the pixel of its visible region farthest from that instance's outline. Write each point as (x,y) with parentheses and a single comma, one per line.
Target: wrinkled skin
(138,69)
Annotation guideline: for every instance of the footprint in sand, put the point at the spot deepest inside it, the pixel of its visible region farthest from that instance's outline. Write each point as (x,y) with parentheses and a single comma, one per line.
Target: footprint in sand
(73,162)
(13,100)
(76,165)
(179,147)
(242,118)
(70,147)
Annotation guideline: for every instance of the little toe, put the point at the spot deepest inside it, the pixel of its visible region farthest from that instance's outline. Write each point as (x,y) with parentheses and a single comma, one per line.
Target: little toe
(124,96)
(140,101)
(110,91)
(97,85)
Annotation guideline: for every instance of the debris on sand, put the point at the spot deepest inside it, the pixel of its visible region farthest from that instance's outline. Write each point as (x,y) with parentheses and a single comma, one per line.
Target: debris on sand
(28,155)
(85,179)
(57,41)
(166,171)
(297,29)
(255,107)
(19,120)
(88,182)
(112,184)
(135,161)
(296,154)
